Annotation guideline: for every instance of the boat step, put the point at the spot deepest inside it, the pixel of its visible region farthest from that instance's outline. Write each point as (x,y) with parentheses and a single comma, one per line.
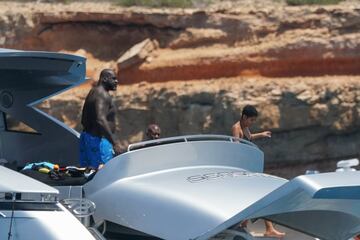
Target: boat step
(262,237)
(230,234)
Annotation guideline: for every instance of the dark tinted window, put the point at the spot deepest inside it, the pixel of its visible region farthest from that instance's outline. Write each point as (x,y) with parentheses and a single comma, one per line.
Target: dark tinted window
(12,124)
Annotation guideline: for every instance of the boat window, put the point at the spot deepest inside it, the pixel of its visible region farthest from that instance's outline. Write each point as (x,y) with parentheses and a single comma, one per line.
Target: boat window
(14,125)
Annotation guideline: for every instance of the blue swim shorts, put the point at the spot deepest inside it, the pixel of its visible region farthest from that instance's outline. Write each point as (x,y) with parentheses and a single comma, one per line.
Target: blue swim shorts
(94,150)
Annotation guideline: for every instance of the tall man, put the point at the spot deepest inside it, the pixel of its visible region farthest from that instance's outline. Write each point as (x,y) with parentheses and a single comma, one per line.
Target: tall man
(98,142)
(241,130)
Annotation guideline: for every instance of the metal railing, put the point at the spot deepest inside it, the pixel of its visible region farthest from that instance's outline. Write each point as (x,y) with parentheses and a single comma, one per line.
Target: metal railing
(187,138)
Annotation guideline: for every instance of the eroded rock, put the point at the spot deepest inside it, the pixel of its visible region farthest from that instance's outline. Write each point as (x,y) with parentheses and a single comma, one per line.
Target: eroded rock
(304,130)
(137,54)
(230,49)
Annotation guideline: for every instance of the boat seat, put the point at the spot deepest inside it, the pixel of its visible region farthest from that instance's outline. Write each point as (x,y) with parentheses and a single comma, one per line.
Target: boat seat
(65,181)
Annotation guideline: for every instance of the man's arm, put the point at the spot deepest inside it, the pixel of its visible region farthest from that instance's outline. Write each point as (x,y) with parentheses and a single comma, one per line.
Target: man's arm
(265,134)
(237,132)
(102,108)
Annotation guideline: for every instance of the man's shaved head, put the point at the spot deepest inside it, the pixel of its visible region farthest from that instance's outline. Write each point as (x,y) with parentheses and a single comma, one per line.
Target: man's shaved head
(153,131)
(106,73)
(108,79)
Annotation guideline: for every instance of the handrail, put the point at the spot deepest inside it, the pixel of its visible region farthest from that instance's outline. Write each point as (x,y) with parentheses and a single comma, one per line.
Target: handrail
(187,138)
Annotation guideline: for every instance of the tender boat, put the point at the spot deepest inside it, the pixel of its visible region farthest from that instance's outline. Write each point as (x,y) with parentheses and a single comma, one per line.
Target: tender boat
(199,187)
(188,187)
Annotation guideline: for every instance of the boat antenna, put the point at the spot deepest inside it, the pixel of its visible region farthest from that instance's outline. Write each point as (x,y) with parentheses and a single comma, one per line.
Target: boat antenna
(12,215)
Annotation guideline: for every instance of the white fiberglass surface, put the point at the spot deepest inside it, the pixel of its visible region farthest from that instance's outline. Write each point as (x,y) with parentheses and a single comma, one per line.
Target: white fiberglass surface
(12,181)
(42,225)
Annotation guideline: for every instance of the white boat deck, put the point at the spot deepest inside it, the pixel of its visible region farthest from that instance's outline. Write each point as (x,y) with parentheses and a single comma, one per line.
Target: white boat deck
(14,182)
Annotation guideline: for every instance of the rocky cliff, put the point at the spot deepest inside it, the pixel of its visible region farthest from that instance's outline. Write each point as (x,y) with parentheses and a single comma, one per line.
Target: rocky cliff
(299,66)
(314,122)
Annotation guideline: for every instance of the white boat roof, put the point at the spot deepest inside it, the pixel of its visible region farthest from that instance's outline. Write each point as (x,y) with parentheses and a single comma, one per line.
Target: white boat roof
(14,182)
(8,50)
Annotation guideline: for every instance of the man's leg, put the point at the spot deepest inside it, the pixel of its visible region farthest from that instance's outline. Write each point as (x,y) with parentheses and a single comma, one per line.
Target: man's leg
(271,231)
(94,152)
(83,161)
(106,150)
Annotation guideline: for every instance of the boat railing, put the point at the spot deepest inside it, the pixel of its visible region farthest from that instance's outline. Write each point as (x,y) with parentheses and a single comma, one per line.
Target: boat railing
(187,138)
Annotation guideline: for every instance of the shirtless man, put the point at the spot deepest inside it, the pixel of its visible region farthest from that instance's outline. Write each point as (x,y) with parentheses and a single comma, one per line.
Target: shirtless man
(98,142)
(241,130)
(153,132)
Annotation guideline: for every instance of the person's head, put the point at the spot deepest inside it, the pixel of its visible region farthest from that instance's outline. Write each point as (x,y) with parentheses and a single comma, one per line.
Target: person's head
(248,115)
(108,79)
(153,132)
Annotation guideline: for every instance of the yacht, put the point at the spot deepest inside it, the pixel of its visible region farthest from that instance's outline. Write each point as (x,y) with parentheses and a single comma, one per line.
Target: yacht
(187,187)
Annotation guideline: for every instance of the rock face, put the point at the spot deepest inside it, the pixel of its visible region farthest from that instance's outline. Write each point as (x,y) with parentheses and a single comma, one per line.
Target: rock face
(315,120)
(299,66)
(277,41)
(137,54)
